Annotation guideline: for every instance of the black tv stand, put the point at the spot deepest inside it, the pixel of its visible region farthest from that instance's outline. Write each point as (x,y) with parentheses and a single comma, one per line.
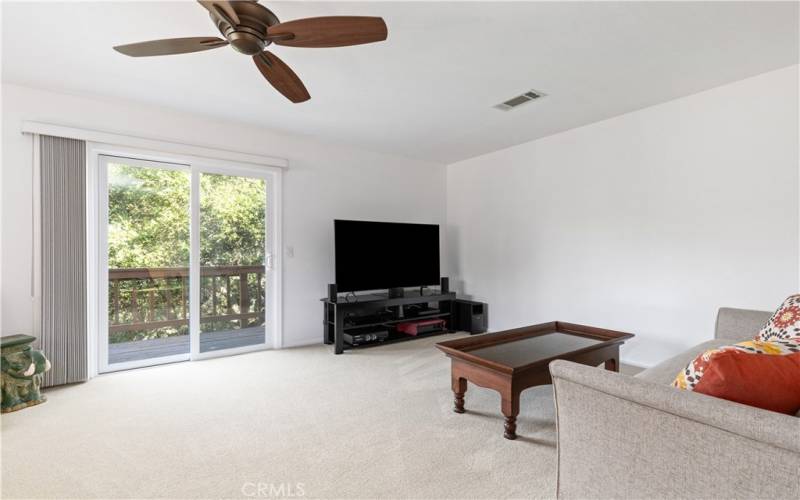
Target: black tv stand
(383,312)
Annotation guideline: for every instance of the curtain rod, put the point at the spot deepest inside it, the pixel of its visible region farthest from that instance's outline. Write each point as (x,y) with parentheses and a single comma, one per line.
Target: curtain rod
(168,146)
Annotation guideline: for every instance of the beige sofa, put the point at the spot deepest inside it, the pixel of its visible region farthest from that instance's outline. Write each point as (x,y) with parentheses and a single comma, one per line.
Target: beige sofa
(638,437)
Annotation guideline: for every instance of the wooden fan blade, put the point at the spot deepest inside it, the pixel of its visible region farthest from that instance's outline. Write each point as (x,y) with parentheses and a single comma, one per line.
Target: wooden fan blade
(223,9)
(171,46)
(333,31)
(281,77)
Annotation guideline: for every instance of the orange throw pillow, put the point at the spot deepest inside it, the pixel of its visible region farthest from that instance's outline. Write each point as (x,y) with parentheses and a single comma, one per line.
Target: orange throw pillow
(761,380)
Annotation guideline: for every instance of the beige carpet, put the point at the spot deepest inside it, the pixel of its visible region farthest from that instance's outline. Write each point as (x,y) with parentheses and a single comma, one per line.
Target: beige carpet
(374,423)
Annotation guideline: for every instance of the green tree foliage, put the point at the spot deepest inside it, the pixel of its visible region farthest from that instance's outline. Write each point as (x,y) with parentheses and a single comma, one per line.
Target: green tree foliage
(148,219)
(231,220)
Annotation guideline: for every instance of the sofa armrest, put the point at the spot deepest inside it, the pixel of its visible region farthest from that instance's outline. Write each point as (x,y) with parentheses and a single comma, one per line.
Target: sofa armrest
(738,324)
(621,437)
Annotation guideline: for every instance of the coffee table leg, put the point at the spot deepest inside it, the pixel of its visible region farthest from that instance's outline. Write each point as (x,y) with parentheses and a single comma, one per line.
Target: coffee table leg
(510,407)
(613,363)
(459,388)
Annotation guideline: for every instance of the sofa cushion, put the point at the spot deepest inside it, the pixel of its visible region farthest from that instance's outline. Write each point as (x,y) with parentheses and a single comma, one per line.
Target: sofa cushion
(785,323)
(737,324)
(664,372)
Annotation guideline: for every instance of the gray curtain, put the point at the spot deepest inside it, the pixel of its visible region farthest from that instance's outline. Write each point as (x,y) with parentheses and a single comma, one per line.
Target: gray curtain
(64,335)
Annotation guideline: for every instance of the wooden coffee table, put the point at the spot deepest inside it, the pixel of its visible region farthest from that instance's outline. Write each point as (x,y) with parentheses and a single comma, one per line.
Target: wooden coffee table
(514,360)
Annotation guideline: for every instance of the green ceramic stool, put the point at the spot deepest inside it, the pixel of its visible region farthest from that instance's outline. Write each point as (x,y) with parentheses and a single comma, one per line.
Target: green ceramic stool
(22,371)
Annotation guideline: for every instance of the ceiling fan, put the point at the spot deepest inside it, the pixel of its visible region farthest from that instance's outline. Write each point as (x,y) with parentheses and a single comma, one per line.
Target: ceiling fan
(250,27)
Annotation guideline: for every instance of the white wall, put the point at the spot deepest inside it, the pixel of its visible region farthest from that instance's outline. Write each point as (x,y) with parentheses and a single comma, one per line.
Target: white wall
(324,182)
(647,222)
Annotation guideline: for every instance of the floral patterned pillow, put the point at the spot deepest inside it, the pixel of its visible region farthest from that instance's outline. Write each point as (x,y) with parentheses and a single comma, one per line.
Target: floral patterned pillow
(785,323)
(780,336)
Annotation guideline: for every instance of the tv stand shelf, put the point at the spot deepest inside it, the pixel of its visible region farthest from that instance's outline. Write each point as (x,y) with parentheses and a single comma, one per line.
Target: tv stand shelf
(344,314)
(392,321)
(394,338)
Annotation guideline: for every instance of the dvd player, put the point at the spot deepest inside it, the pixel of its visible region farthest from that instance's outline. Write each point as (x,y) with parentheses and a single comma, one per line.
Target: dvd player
(366,337)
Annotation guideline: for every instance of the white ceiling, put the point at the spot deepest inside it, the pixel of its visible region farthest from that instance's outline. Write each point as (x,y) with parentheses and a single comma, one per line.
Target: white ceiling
(428,91)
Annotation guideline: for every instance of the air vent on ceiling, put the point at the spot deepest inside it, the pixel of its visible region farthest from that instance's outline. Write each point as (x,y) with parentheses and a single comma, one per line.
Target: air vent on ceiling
(531,95)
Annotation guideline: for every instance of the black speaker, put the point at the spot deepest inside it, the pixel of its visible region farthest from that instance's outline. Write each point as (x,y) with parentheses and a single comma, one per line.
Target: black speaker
(470,316)
(445,285)
(332,292)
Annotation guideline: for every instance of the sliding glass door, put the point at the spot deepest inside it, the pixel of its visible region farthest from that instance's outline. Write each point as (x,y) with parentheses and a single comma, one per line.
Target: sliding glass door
(147,250)
(232,257)
(185,257)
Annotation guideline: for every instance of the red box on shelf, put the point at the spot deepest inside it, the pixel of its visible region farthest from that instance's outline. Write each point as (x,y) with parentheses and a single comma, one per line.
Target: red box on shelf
(420,327)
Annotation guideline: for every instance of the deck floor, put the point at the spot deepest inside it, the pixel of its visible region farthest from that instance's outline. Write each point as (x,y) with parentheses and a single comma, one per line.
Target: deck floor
(209,341)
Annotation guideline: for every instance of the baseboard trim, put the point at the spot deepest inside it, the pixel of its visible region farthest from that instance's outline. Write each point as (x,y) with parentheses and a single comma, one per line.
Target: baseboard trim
(628,362)
(301,343)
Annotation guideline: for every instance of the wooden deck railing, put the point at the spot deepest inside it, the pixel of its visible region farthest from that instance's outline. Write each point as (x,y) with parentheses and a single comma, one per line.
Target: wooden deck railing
(149,298)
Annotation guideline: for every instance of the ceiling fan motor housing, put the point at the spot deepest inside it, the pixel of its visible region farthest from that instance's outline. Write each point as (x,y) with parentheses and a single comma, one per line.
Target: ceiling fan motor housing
(250,35)
(246,43)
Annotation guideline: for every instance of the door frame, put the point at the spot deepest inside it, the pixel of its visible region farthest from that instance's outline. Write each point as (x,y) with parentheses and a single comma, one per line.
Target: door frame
(97,255)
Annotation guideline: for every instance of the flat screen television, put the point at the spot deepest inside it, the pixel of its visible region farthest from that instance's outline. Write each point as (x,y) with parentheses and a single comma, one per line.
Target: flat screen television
(382,255)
